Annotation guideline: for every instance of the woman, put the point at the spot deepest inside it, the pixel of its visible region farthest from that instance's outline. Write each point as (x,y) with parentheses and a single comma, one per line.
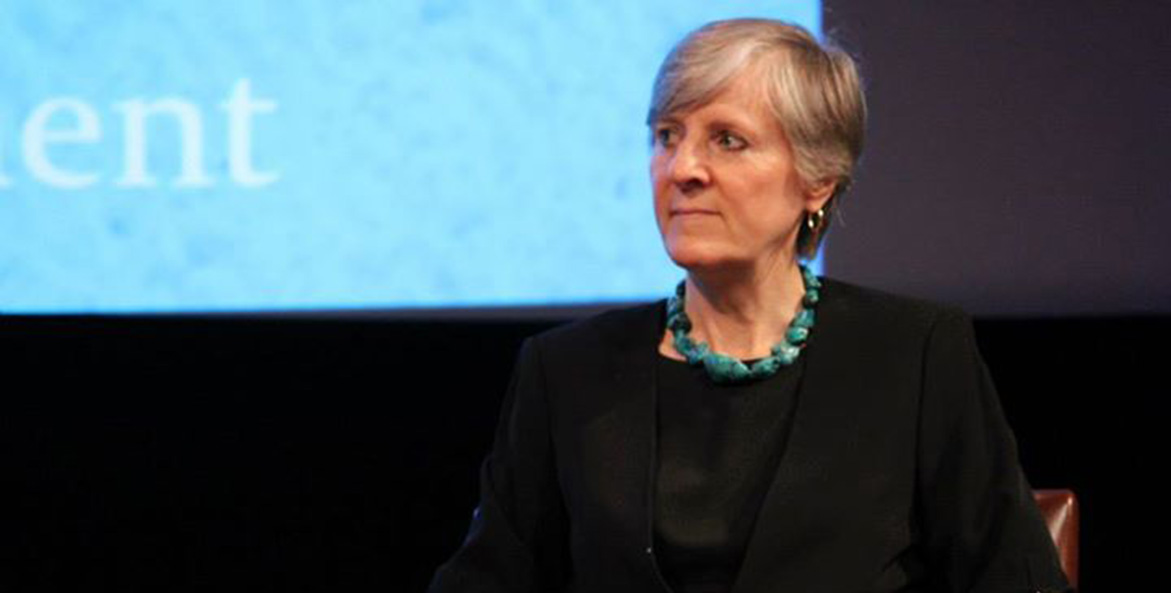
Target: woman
(763,429)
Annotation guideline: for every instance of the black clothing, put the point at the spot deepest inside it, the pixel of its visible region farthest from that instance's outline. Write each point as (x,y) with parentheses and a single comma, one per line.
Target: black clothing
(900,472)
(718,446)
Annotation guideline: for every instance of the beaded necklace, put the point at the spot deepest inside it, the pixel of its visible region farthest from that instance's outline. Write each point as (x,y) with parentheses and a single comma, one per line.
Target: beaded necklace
(725,369)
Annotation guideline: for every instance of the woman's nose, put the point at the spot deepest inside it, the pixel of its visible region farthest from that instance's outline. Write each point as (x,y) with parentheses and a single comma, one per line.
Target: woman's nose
(689,166)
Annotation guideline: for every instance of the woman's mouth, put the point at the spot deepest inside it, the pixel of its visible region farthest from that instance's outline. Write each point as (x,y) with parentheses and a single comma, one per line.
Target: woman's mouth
(692,212)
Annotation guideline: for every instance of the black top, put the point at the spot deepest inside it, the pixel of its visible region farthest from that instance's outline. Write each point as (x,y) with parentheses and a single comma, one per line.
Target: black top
(719,446)
(899,474)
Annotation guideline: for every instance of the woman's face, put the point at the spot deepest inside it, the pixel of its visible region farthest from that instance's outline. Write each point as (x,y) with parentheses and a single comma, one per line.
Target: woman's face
(726,191)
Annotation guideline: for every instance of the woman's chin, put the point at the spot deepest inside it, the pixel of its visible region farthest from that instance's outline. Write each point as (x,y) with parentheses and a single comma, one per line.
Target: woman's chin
(698,259)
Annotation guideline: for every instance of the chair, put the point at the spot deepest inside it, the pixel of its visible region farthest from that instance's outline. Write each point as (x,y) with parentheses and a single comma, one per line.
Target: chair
(1060,510)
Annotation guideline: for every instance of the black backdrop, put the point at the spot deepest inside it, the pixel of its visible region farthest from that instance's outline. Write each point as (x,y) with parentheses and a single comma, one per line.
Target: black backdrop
(202,454)
(1017,154)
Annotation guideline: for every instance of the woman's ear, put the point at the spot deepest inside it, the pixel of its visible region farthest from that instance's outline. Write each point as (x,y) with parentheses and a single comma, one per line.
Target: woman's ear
(818,194)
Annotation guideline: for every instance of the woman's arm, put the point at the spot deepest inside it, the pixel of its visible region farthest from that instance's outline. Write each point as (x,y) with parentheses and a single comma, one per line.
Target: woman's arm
(981,528)
(517,540)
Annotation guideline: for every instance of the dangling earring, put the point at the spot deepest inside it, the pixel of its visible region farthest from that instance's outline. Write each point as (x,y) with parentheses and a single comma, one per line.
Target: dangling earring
(815,220)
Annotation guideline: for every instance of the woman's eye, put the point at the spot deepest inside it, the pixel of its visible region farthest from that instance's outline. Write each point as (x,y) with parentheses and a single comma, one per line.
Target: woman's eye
(664,136)
(730,141)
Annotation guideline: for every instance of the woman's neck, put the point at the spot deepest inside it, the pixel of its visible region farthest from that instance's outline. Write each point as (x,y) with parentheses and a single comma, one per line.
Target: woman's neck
(743,315)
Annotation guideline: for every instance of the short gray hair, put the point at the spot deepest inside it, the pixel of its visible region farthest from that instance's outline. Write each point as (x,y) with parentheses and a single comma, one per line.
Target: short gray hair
(814,90)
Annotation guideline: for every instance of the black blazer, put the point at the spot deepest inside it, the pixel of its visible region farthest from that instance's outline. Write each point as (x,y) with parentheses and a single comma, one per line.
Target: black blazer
(900,473)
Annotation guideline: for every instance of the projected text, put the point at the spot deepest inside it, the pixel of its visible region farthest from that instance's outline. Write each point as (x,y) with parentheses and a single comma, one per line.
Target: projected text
(72,121)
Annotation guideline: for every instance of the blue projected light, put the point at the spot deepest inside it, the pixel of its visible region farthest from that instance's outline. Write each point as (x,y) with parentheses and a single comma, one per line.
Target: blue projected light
(225,155)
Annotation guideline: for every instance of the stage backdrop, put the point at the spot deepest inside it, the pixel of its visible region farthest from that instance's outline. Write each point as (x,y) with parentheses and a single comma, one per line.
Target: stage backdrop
(1016,161)
(308,154)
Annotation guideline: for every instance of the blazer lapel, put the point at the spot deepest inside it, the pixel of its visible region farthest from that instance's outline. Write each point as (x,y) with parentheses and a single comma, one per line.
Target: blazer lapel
(780,554)
(616,415)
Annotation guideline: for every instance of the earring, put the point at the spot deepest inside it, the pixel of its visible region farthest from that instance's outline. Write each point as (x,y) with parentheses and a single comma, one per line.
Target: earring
(815,220)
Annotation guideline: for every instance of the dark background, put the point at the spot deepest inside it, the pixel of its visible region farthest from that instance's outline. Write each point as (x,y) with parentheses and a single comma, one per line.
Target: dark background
(1012,168)
(170,454)
(1017,155)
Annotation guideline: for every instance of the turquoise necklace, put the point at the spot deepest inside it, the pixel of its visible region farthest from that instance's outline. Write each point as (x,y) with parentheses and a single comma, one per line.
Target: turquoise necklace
(725,369)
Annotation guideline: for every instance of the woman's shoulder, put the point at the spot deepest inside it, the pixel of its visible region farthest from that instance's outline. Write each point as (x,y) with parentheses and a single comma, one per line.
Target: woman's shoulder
(849,306)
(886,336)
(854,298)
(861,310)
(628,326)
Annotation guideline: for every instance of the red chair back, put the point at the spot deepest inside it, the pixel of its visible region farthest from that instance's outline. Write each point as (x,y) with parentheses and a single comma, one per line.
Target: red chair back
(1060,510)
